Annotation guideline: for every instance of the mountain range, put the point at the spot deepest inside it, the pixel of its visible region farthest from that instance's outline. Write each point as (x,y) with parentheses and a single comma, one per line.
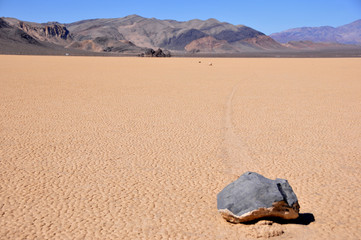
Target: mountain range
(135,35)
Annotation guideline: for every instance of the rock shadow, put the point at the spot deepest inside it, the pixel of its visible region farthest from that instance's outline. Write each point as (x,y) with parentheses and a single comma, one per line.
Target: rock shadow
(303,219)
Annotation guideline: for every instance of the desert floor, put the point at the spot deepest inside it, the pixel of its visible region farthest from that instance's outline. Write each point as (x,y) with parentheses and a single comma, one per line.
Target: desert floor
(138,148)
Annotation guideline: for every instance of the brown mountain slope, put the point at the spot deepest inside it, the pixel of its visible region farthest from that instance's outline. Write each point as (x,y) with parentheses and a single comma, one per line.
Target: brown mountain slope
(264,42)
(209,45)
(170,34)
(11,33)
(15,40)
(56,36)
(105,44)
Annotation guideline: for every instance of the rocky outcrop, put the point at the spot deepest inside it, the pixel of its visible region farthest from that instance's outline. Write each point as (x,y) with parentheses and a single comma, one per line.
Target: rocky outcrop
(57,30)
(52,32)
(253,197)
(149,52)
(161,53)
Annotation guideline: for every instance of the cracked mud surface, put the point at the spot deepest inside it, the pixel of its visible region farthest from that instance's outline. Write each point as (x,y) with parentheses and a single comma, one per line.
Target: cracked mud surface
(130,148)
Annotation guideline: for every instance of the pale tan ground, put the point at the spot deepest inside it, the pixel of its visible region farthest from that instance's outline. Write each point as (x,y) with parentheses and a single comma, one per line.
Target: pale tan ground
(138,148)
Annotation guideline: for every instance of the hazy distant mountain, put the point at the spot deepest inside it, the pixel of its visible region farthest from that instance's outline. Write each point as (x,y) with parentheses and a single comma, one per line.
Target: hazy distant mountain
(346,34)
(171,34)
(309,45)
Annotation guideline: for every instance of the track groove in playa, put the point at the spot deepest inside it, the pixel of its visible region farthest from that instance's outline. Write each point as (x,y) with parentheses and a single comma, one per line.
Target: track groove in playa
(236,151)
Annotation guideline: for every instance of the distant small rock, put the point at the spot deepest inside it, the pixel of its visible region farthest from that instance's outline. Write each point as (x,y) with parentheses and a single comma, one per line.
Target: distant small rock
(252,197)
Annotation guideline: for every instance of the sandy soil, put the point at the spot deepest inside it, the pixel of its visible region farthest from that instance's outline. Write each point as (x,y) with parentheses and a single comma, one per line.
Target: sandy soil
(138,148)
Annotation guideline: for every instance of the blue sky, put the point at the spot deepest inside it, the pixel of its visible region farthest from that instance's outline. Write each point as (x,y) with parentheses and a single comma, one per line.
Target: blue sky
(267,16)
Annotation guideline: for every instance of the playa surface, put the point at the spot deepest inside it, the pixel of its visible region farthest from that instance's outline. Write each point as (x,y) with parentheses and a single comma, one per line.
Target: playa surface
(138,148)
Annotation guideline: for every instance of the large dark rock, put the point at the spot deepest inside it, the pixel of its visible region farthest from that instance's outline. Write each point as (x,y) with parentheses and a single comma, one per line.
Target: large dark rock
(253,196)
